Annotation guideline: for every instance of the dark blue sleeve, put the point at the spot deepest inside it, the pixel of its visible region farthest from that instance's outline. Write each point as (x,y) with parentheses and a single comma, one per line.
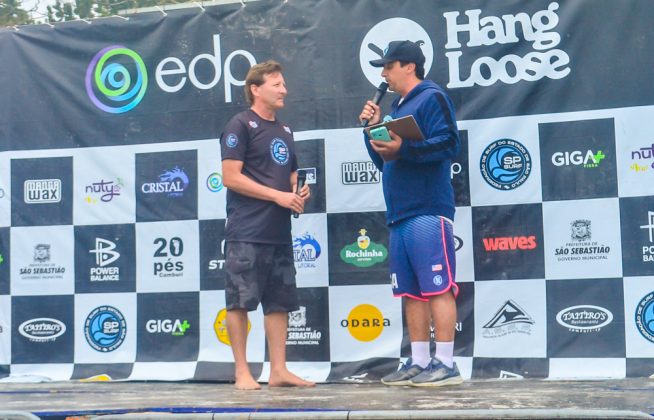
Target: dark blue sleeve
(436,119)
(376,159)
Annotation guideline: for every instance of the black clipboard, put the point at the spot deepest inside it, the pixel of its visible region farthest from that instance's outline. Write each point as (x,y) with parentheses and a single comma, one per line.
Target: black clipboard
(405,127)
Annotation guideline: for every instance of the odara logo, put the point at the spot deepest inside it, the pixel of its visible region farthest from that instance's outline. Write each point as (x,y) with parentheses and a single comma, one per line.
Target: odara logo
(364,253)
(365,322)
(220,327)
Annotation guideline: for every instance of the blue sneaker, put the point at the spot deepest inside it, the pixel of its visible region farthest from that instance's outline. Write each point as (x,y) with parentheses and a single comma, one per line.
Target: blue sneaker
(403,375)
(437,374)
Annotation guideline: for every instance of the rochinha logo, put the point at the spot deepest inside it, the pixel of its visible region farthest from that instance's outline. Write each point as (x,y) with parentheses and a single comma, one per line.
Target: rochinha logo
(112,79)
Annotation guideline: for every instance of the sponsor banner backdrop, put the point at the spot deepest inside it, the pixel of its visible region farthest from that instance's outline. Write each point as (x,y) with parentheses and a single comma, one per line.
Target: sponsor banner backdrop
(112,198)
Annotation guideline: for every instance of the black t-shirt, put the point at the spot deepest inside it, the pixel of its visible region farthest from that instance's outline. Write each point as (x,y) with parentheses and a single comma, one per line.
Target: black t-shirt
(267,151)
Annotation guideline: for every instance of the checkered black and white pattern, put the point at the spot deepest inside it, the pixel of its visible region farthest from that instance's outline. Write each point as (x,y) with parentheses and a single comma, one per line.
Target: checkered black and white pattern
(113,263)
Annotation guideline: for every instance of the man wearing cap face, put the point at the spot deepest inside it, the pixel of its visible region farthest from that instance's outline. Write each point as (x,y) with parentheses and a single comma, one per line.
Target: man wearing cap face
(419,212)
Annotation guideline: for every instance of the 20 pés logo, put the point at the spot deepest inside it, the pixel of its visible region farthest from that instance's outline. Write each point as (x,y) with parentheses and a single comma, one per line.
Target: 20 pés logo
(111,76)
(376,42)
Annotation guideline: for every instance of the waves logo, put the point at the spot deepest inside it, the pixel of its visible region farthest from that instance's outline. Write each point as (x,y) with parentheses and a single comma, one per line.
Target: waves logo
(220,327)
(505,164)
(364,253)
(105,329)
(365,322)
(118,76)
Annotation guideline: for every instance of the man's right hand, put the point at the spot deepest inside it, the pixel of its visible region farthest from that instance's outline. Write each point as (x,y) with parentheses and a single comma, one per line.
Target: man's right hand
(290,200)
(370,112)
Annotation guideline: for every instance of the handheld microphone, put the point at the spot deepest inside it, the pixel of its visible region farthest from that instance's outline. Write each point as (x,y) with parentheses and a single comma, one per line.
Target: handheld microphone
(381,91)
(301,180)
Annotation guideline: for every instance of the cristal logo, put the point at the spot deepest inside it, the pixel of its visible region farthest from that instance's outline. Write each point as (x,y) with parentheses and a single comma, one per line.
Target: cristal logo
(42,329)
(172,182)
(511,68)
(509,243)
(589,159)
(117,79)
(584,318)
(376,41)
(365,322)
(306,250)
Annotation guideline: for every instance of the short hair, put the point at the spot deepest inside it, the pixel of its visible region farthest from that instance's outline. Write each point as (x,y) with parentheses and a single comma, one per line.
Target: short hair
(420,69)
(256,75)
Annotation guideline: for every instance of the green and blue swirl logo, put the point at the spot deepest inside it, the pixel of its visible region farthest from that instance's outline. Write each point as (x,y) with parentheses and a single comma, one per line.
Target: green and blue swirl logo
(118,76)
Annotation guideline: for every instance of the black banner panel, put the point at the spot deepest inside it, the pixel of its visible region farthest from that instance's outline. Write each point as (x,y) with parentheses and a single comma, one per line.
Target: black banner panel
(112,198)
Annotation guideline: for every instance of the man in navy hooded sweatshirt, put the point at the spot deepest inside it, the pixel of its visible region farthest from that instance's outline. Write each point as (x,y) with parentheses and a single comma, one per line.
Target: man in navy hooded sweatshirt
(419,212)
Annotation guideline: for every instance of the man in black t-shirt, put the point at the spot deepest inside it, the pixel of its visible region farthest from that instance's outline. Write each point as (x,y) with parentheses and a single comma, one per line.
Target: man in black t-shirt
(260,173)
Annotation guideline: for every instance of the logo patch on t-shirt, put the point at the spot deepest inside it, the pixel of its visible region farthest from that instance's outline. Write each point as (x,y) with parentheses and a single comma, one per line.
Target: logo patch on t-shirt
(288,130)
(253,124)
(279,151)
(231,140)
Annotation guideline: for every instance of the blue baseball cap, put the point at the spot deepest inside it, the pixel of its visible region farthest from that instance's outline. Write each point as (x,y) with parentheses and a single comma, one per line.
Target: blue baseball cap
(406,51)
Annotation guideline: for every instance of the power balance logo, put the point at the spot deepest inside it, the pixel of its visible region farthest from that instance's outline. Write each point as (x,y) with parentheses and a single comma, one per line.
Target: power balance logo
(467,63)
(117,79)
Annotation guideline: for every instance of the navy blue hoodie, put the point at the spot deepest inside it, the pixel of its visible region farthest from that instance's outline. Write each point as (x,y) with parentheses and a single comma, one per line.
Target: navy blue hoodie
(419,181)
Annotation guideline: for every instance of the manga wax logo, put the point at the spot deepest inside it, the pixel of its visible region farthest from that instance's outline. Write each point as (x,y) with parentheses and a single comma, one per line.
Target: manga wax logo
(375,43)
(505,164)
(356,173)
(642,155)
(105,329)
(306,251)
(645,316)
(117,79)
(364,253)
(220,327)
(544,61)
(365,322)
(36,191)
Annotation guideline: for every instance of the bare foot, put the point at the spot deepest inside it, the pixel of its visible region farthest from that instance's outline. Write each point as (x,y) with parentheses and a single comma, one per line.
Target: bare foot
(246,383)
(286,378)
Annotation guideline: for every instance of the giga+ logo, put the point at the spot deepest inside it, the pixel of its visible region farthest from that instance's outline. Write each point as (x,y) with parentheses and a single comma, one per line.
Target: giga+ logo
(117,79)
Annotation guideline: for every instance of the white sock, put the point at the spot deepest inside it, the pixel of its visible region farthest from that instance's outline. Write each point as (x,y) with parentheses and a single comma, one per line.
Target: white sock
(445,352)
(420,353)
